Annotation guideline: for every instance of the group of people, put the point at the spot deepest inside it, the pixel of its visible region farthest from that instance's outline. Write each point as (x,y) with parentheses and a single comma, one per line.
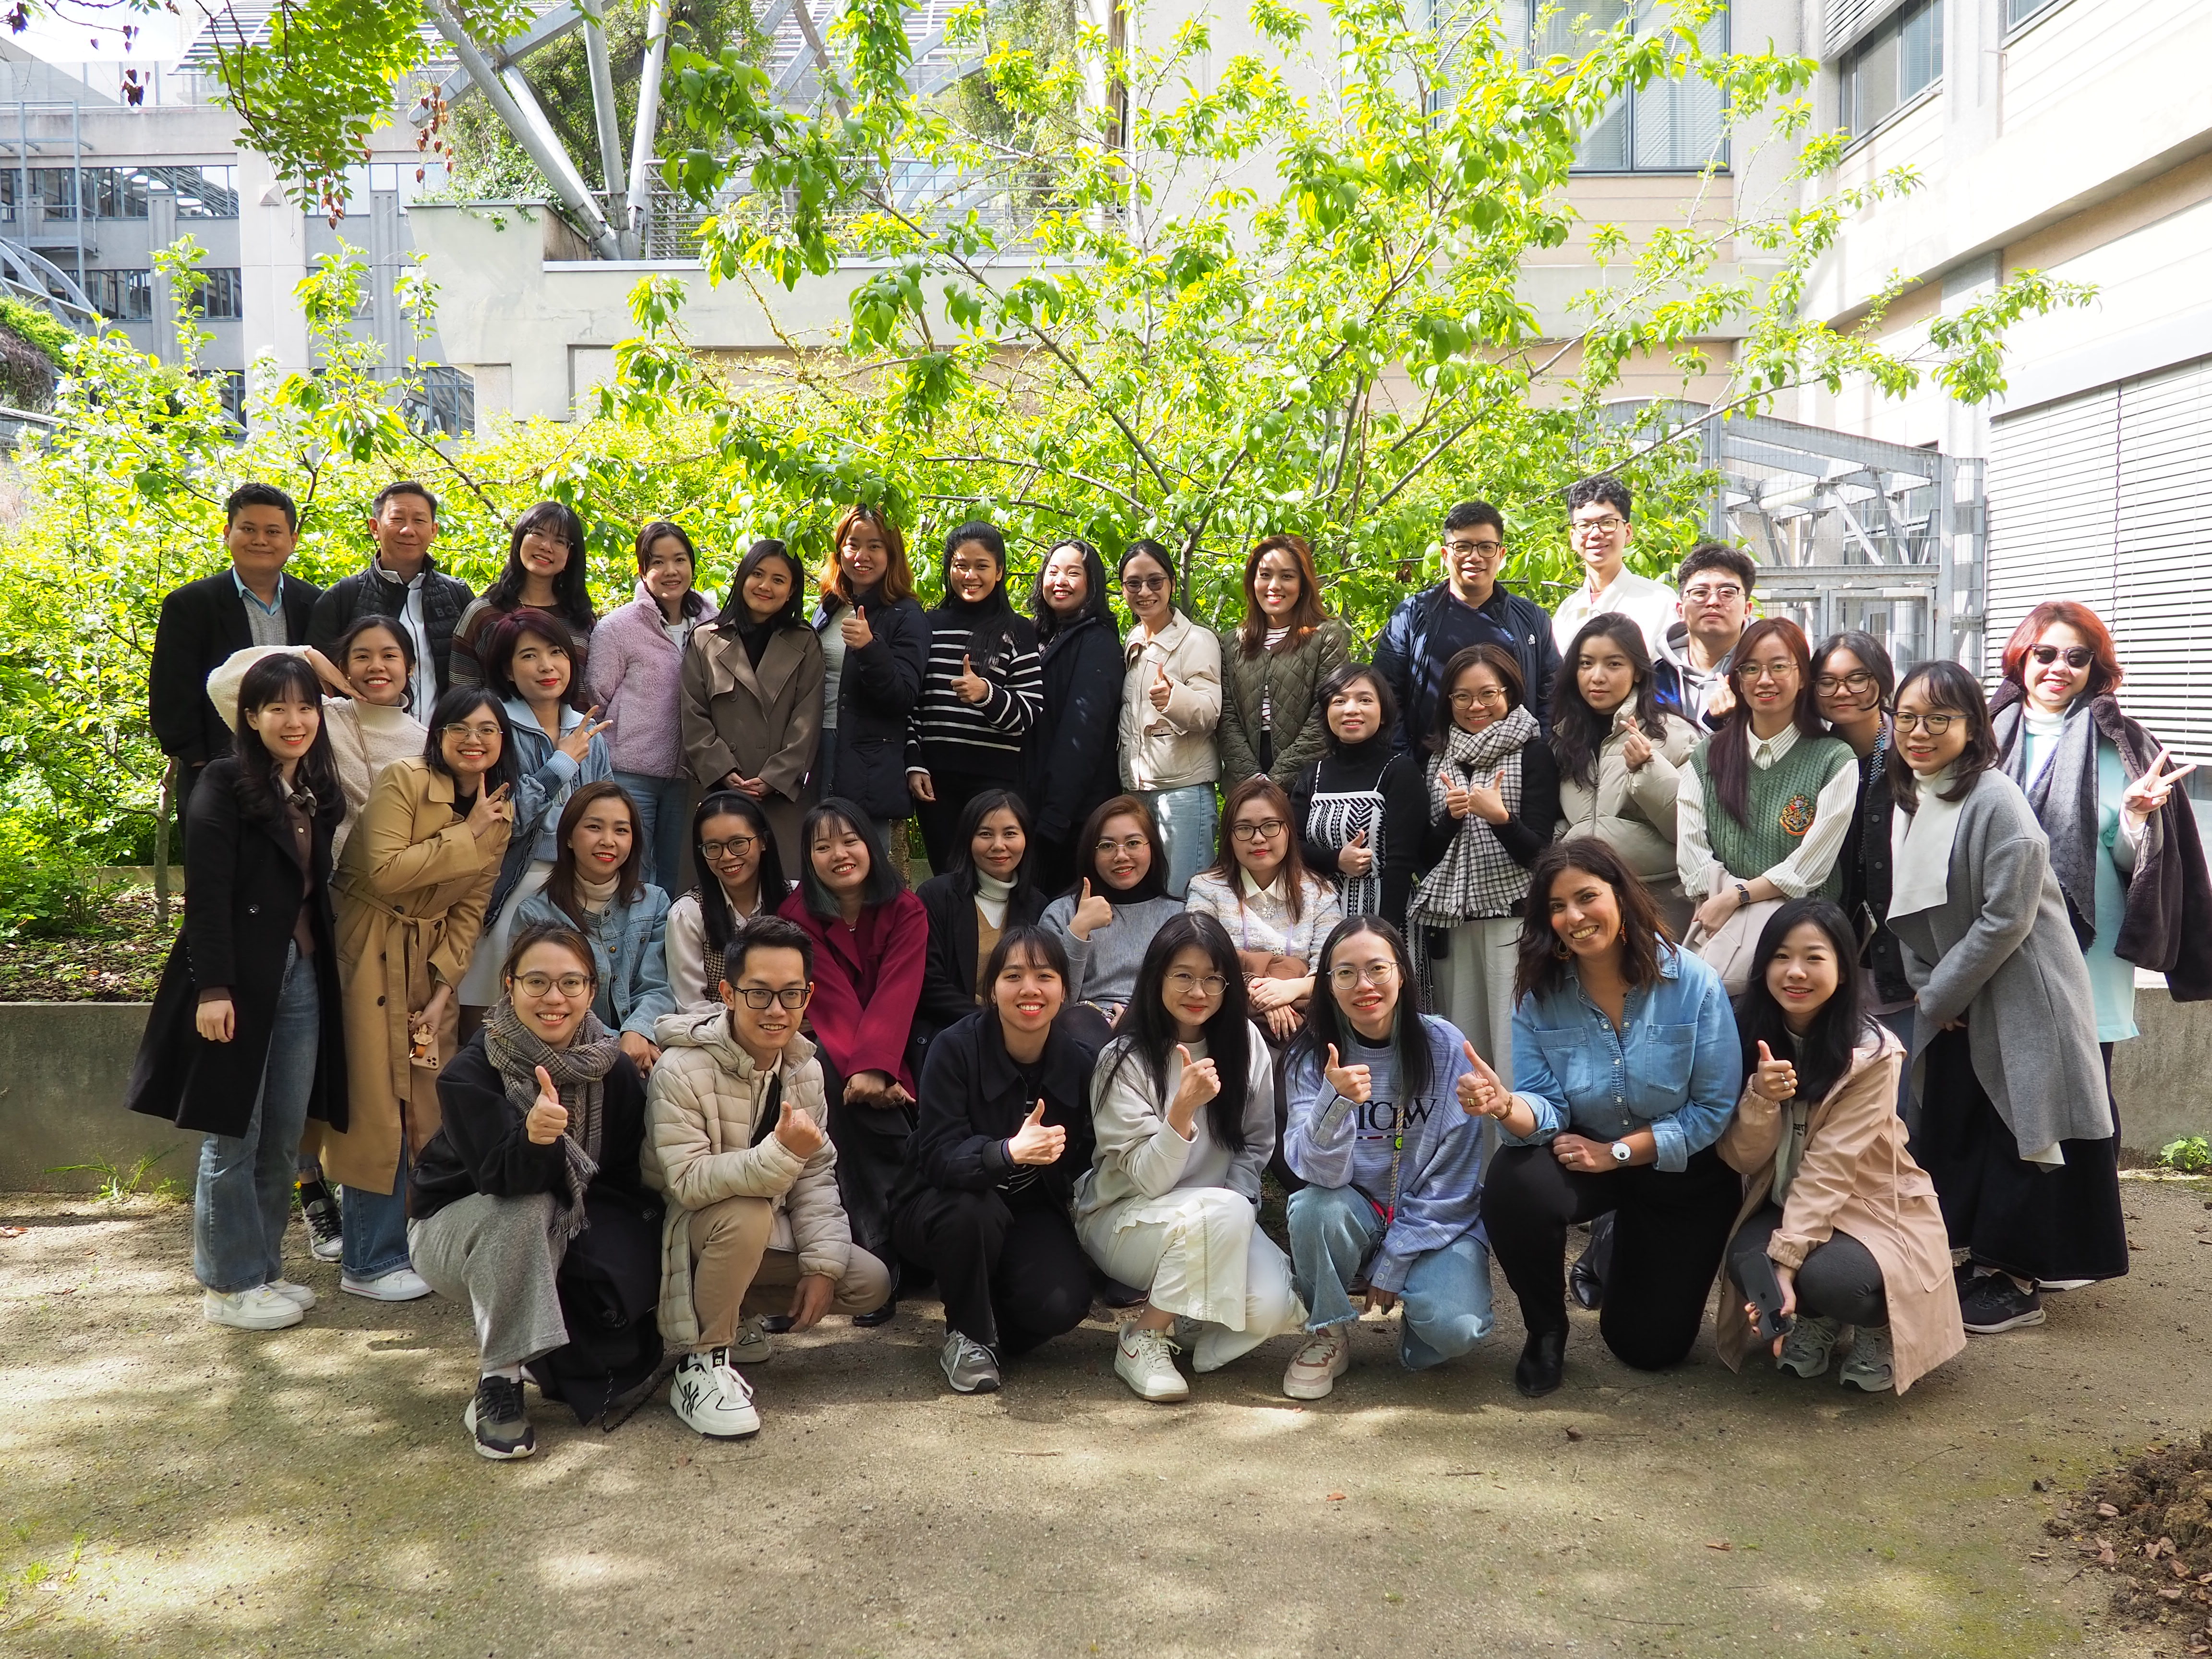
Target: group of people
(579,954)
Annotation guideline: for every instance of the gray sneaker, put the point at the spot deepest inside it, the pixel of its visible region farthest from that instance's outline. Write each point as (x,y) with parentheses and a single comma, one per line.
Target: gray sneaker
(752,1346)
(1806,1349)
(1867,1366)
(969,1366)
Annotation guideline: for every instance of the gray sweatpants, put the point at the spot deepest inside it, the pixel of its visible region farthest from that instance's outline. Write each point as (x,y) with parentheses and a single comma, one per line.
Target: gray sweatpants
(499,1253)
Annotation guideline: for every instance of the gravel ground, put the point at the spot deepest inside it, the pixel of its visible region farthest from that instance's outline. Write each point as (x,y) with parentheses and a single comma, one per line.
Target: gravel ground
(174,1488)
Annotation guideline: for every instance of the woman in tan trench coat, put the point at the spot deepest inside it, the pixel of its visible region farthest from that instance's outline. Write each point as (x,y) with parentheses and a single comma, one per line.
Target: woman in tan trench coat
(1831,1198)
(752,695)
(413,890)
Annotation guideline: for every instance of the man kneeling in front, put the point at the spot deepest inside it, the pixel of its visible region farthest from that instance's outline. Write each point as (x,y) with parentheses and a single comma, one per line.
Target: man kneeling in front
(735,1137)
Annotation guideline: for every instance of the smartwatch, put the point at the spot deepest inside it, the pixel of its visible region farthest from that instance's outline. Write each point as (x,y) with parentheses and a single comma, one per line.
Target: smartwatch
(1620,1153)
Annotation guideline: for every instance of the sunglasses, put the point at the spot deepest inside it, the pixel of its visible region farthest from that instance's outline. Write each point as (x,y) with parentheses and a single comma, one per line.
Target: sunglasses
(2077,656)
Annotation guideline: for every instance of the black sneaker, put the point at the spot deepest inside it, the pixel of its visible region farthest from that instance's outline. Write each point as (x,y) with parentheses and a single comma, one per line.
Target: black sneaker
(320,1206)
(1994,1303)
(496,1418)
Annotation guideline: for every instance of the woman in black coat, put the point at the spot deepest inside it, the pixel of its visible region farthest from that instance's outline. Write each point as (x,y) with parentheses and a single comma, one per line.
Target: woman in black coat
(1004,1133)
(875,650)
(247,1038)
(983,891)
(1073,763)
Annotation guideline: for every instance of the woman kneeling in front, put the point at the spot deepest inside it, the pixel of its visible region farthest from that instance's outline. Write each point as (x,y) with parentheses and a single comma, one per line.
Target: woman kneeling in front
(1183,1101)
(1625,1071)
(1831,1196)
(1382,1130)
(545,1116)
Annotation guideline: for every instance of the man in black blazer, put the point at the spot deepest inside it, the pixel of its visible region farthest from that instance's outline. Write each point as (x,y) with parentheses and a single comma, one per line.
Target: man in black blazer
(253,603)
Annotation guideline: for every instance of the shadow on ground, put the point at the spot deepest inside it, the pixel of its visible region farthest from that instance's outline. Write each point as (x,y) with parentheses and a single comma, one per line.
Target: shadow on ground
(174,1489)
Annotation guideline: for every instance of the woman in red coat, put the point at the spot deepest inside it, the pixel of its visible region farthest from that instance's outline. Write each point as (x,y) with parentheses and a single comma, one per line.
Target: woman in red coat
(871,936)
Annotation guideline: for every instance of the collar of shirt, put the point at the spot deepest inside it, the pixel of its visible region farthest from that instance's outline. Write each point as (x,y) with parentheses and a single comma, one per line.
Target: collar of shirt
(1273,891)
(413,584)
(274,608)
(1765,751)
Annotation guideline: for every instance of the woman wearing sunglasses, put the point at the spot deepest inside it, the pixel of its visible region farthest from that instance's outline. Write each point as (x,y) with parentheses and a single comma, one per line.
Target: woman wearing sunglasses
(1170,703)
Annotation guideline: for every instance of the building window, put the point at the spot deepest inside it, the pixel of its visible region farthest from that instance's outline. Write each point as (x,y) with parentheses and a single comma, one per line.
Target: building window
(1669,126)
(1892,65)
(122,296)
(220,296)
(209,192)
(230,386)
(447,404)
(2019,11)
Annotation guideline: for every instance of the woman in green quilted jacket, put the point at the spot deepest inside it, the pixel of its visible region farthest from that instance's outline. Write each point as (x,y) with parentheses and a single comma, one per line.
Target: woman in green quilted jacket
(1272,664)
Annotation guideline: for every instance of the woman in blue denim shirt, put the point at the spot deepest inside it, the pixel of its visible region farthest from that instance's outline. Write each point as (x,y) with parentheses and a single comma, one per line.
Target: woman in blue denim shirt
(1626,1070)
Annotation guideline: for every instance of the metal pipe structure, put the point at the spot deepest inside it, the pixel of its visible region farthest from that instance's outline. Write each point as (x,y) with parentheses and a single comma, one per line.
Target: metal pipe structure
(641,145)
(605,118)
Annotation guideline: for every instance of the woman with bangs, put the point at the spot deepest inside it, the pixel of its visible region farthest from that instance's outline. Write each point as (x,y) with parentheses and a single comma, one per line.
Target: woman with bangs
(1072,764)
(875,653)
(1119,901)
(545,571)
(1276,914)
(1272,663)
(1361,812)
(984,890)
(751,692)
(740,865)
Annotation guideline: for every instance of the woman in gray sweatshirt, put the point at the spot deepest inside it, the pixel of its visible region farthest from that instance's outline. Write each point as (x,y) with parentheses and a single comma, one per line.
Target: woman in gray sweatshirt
(1120,899)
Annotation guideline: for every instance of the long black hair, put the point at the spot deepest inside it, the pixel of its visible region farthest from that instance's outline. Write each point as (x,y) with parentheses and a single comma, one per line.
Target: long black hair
(369,624)
(1327,1026)
(694,602)
(1578,731)
(1823,1054)
(1097,604)
(1145,1032)
(883,883)
(991,636)
(961,868)
(1949,686)
(282,676)
(460,703)
(733,614)
(715,917)
(1341,679)
(572,595)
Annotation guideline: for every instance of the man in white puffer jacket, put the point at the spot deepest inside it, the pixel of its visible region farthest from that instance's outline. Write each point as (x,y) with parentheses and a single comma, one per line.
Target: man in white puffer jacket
(735,1137)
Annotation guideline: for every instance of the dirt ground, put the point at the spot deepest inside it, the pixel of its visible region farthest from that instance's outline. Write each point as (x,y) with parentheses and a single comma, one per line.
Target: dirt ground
(174,1488)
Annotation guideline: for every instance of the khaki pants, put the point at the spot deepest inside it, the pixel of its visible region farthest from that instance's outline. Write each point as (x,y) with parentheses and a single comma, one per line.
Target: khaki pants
(734,1274)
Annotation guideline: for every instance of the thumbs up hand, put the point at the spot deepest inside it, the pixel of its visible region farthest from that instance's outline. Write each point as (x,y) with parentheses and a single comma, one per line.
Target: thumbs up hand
(1355,858)
(1774,1080)
(1487,800)
(1092,912)
(548,1117)
(1200,1083)
(1355,1083)
(1481,1093)
(1160,687)
(798,1131)
(1036,1141)
(967,685)
(856,630)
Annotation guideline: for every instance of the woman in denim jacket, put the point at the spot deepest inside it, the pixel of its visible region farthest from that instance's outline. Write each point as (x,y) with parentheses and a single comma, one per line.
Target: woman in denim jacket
(1626,1070)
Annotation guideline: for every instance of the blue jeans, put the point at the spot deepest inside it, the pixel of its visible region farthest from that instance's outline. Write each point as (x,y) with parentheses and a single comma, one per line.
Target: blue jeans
(1900,1026)
(664,822)
(375,1223)
(1187,818)
(244,1201)
(1445,1299)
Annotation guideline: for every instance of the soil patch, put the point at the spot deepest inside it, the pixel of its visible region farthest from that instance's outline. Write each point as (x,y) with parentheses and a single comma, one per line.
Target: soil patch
(118,959)
(2150,1525)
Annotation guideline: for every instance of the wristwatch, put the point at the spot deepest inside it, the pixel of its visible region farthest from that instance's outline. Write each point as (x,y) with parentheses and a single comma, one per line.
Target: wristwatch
(1742,895)
(1620,1153)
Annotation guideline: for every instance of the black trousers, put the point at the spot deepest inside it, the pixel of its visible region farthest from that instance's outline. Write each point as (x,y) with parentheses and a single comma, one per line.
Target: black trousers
(1670,1228)
(1012,1272)
(870,1142)
(1840,1280)
(940,819)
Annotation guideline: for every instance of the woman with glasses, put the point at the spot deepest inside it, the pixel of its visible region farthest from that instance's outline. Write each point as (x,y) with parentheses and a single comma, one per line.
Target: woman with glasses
(1276,912)
(984,891)
(741,876)
(1171,704)
(1183,1105)
(2015,1126)
(1120,900)
(875,651)
(1382,1132)
(413,892)
(545,571)
(1272,722)
(1493,804)
(1073,763)
(1361,812)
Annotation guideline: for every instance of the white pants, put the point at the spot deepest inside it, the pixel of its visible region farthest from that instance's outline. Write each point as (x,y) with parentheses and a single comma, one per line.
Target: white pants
(1474,987)
(480,986)
(1200,1251)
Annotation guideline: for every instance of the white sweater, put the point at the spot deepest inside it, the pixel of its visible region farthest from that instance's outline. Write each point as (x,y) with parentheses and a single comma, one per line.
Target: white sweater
(1139,1155)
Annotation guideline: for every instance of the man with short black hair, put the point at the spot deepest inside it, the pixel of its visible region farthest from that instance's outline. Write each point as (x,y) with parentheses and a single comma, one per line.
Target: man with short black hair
(253,603)
(1599,526)
(1468,607)
(402,581)
(1690,672)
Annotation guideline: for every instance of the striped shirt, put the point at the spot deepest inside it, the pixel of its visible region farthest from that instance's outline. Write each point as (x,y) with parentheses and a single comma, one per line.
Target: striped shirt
(981,739)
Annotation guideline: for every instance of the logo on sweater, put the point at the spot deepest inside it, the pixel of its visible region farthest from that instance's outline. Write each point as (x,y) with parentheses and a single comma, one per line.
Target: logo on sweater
(1797,815)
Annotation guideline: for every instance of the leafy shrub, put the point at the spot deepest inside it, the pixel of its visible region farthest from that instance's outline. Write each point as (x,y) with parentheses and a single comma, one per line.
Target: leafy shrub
(53,337)
(2191,1155)
(47,886)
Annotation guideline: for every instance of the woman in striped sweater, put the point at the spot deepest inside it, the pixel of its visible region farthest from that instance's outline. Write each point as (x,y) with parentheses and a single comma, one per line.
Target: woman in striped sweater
(981,694)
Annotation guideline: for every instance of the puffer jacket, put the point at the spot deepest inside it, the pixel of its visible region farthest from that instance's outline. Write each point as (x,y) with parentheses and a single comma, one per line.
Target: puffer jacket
(1285,682)
(1170,748)
(1633,812)
(704,1105)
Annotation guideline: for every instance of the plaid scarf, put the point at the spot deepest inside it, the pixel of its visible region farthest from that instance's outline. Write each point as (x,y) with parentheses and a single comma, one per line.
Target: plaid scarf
(578,1073)
(1477,877)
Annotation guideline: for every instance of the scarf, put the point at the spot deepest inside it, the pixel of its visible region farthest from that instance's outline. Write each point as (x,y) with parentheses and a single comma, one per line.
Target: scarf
(578,1073)
(1920,846)
(1476,877)
(2063,793)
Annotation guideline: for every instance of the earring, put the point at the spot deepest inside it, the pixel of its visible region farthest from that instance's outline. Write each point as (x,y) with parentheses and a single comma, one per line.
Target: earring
(1560,951)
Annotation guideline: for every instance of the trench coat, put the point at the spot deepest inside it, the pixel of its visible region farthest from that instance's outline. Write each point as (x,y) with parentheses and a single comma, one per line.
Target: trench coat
(764,722)
(412,892)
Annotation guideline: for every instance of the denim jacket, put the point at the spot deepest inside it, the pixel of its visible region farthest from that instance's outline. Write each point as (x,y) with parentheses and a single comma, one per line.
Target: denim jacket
(630,949)
(1675,1068)
(547,779)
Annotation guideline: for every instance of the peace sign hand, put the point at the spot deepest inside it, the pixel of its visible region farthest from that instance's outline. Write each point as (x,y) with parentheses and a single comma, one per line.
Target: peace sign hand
(1774,1080)
(577,743)
(967,685)
(2148,792)
(1481,1094)
(1354,1083)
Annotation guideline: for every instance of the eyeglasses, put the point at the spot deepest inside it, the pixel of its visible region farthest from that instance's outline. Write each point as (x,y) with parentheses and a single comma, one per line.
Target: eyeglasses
(1143,584)
(1182,982)
(1605,526)
(462,729)
(1134,845)
(2077,656)
(1469,699)
(1379,974)
(1857,683)
(1481,550)
(1254,829)
(737,847)
(1712,595)
(569,985)
(1934,724)
(791,996)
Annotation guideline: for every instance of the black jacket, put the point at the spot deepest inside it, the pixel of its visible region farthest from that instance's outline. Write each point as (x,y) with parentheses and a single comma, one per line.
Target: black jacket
(948,971)
(482,1145)
(1429,628)
(1401,781)
(875,694)
(1864,862)
(202,623)
(1074,761)
(242,884)
(973,1100)
(367,593)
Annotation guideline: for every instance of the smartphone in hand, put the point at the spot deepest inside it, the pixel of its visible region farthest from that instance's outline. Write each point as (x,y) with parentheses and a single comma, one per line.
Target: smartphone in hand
(1765,1291)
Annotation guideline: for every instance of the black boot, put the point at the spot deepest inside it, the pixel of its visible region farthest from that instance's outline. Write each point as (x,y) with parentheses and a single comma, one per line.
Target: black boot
(1543,1358)
(883,1315)
(1586,1278)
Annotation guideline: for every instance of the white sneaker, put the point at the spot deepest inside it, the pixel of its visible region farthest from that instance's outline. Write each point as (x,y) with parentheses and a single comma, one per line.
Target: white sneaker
(712,1396)
(1314,1368)
(752,1346)
(328,1249)
(1146,1361)
(400,1285)
(299,1295)
(260,1309)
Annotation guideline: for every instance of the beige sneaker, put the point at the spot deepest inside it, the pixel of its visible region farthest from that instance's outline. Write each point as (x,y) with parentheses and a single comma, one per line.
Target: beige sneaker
(1314,1370)
(1146,1361)
(752,1346)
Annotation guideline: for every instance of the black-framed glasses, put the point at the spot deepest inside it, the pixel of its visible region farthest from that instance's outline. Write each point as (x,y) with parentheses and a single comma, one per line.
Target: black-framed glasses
(1934,724)
(1858,682)
(1486,550)
(1253,830)
(1143,584)
(791,996)
(736,846)
(2077,656)
(1604,526)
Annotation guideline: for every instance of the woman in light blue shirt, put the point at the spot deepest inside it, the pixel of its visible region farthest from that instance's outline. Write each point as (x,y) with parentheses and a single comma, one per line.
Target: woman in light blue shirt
(1626,1070)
